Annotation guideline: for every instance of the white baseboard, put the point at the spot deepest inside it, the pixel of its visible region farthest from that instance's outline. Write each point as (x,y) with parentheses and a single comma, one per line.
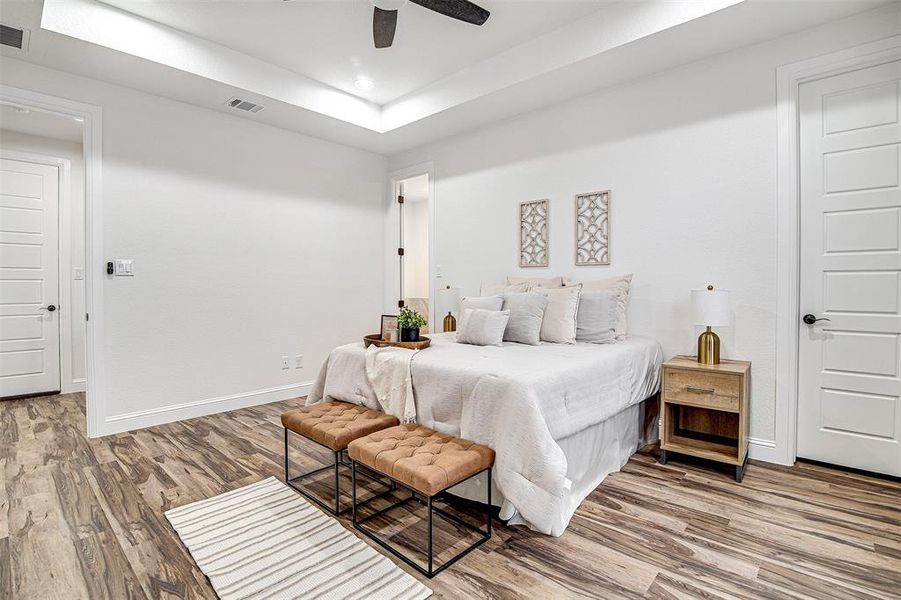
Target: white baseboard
(200,408)
(765,450)
(77,385)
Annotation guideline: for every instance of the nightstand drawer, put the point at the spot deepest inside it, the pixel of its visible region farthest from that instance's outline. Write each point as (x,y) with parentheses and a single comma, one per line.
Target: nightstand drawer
(708,390)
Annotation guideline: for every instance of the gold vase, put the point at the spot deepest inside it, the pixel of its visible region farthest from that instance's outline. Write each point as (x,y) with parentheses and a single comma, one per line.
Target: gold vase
(709,348)
(450,322)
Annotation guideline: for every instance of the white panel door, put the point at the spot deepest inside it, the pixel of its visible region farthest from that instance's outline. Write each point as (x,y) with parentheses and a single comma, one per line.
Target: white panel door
(850,364)
(29,278)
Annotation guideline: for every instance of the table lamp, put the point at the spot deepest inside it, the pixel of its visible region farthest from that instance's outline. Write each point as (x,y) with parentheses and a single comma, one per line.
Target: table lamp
(449,301)
(709,308)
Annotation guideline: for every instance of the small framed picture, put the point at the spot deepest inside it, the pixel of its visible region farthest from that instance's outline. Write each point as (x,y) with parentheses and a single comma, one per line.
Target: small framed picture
(389,328)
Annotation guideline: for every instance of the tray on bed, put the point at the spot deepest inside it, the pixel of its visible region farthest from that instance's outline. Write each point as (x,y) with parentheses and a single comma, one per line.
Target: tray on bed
(378,341)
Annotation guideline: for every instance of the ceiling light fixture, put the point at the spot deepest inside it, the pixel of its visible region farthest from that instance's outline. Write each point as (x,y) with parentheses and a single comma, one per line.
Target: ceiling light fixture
(388,4)
(364,83)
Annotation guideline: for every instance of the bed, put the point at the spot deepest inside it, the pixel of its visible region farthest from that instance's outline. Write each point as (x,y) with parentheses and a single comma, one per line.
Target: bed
(559,417)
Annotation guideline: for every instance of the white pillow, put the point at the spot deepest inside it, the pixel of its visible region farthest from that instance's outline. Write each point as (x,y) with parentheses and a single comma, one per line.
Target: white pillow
(483,327)
(536,282)
(526,314)
(596,320)
(503,288)
(559,325)
(483,302)
(621,283)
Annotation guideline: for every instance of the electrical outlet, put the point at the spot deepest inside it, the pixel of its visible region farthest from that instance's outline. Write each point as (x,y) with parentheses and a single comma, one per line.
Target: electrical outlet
(285,364)
(298,361)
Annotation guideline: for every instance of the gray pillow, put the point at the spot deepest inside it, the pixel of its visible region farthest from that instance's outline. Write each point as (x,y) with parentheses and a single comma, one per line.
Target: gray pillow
(526,313)
(483,302)
(483,327)
(596,321)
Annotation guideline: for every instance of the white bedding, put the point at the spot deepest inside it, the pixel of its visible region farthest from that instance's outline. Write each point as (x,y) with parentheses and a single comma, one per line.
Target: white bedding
(517,399)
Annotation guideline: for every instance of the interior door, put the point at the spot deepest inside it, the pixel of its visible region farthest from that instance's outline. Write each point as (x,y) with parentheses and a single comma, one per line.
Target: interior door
(29,278)
(850,362)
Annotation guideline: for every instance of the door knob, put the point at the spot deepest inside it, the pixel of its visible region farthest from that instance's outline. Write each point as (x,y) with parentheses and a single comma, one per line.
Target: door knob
(48,308)
(809,319)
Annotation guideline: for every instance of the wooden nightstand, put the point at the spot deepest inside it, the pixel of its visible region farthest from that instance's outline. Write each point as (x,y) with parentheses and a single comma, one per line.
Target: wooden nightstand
(704,410)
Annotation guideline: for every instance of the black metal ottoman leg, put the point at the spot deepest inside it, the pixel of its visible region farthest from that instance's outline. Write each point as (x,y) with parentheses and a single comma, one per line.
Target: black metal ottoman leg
(286,455)
(430,536)
(488,507)
(353,491)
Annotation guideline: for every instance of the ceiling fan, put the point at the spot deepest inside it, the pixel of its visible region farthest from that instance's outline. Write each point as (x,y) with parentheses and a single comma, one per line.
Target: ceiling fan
(384,18)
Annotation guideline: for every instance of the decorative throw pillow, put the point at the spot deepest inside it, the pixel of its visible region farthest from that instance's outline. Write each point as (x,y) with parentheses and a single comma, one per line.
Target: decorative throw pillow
(559,324)
(503,288)
(483,302)
(526,313)
(596,321)
(621,283)
(483,327)
(536,282)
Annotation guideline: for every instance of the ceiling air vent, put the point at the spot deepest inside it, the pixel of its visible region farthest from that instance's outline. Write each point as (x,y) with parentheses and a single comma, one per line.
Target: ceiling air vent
(244,105)
(14,37)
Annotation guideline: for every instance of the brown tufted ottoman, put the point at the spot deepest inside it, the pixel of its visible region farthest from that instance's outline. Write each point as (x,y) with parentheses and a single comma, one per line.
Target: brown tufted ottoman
(427,463)
(333,425)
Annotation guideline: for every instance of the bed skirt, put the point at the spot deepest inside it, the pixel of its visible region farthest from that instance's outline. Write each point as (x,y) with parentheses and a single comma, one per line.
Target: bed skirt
(591,455)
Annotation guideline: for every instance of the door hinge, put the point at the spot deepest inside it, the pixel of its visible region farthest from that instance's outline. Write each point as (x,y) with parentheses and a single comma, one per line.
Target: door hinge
(400,199)
(87,316)
(400,304)
(400,251)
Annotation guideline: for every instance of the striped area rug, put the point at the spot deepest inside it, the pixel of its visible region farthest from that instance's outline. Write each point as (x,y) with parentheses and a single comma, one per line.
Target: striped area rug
(266,541)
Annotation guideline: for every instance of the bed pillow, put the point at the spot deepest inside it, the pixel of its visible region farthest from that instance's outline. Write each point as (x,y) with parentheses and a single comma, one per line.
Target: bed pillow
(559,324)
(483,302)
(596,320)
(483,327)
(536,282)
(621,283)
(499,289)
(526,314)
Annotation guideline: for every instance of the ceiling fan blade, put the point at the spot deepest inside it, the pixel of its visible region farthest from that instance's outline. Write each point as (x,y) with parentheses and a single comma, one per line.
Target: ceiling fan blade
(462,10)
(384,22)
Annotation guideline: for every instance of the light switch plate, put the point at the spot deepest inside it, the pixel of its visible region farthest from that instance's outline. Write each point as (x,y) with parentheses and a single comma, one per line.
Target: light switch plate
(125,267)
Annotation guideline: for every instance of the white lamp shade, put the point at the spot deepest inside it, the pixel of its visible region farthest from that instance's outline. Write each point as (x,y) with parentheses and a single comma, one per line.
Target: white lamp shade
(448,300)
(710,308)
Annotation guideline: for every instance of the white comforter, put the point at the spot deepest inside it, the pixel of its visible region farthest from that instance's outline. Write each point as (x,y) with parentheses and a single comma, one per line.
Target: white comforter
(516,399)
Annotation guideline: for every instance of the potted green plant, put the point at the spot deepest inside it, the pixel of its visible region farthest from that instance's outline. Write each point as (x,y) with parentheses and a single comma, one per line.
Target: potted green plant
(409,321)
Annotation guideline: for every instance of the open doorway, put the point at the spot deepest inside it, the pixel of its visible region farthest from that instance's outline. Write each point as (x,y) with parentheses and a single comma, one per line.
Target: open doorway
(414,234)
(42,253)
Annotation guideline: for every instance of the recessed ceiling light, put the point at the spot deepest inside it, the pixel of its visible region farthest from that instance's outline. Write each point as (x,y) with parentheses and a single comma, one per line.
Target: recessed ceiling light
(78,119)
(364,83)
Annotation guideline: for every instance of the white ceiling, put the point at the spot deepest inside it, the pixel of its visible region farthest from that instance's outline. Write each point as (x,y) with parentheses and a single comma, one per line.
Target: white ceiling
(450,77)
(35,122)
(331,41)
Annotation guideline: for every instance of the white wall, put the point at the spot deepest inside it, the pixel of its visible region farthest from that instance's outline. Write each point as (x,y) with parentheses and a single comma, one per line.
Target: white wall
(250,243)
(33,144)
(690,157)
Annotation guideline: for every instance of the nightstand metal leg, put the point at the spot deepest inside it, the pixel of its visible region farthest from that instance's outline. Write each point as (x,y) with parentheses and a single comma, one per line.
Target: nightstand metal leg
(663,457)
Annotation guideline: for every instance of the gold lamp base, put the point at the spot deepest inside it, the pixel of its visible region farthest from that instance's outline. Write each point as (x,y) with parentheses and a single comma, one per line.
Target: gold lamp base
(450,322)
(709,348)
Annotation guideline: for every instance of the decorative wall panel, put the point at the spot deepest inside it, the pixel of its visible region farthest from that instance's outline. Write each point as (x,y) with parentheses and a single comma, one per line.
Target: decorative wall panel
(593,228)
(533,234)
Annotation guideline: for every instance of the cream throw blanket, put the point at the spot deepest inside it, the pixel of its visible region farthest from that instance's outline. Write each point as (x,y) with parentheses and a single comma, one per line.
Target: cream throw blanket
(388,372)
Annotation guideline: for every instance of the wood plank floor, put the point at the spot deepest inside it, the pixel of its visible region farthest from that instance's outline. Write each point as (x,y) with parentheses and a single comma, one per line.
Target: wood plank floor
(82,518)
